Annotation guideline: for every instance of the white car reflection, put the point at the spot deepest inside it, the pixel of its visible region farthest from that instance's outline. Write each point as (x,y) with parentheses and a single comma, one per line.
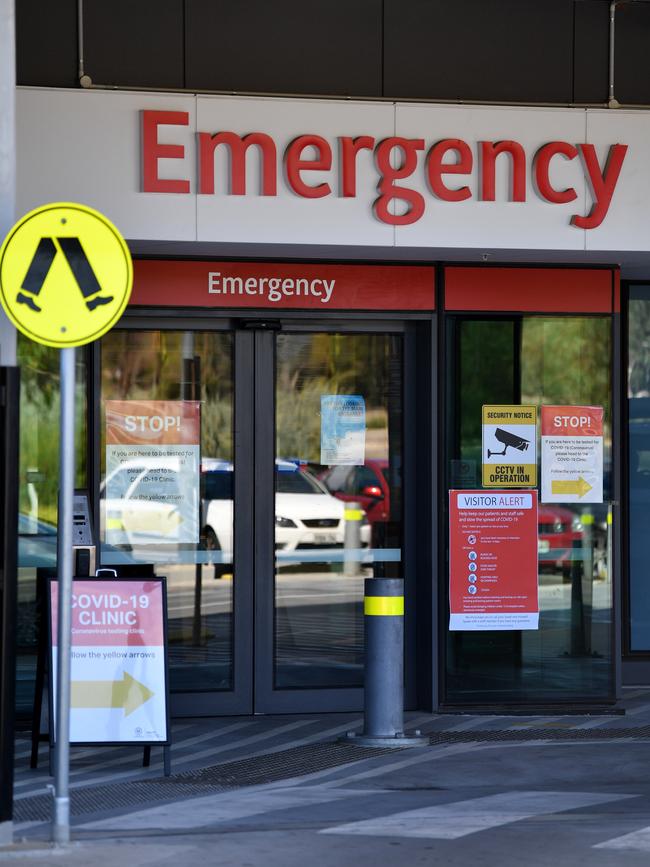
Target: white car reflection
(307,516)
(130,513)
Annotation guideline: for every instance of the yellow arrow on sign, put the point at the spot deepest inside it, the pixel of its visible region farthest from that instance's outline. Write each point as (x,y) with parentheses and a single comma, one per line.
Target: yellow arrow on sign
(572,486)
(127,693)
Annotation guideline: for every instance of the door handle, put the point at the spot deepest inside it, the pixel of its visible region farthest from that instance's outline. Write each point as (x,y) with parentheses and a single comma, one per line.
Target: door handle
(260,324)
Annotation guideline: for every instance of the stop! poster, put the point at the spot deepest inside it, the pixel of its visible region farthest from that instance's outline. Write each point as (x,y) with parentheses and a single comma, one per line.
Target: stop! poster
(153,456)
(117,661)
(493,560)
(572,454)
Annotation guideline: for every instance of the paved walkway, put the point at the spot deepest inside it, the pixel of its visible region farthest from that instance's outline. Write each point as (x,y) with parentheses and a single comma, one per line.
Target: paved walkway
(274,790)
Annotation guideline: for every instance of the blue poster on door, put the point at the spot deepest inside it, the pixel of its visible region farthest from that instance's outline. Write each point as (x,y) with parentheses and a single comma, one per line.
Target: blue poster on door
(343,429)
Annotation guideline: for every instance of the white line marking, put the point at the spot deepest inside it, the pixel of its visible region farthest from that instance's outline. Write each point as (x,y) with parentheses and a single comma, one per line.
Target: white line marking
(278,748)
(416,756)
(594,724)
(472,723)
(134,756)
(642,708)
(639,840)
(451,821)
(78,751)
(221,807)
(156,765)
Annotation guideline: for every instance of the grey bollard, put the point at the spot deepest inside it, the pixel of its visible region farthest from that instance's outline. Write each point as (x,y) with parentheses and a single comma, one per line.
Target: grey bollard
(383,608)
(384,666)
(353,515)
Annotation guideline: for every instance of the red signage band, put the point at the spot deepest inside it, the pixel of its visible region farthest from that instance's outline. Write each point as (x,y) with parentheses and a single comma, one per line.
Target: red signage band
(445,166)
(282,286)
(534,290)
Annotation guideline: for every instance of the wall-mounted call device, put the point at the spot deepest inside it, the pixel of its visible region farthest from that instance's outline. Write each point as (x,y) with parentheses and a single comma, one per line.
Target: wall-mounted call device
(83,539)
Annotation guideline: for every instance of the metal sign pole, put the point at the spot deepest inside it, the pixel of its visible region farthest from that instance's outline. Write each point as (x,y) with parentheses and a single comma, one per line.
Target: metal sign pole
(61,820)
(100,288)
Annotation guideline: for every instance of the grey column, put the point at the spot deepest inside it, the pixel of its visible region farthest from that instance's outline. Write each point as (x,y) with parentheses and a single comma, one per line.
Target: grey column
(7,155)
(7,217)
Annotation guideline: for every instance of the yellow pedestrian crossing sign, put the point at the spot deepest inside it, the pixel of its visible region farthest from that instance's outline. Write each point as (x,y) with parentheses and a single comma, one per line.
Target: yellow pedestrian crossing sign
(65,275)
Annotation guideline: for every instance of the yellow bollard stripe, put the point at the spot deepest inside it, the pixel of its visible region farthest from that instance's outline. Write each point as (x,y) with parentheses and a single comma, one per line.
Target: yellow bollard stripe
(383,606)
(353,514)
(587,518)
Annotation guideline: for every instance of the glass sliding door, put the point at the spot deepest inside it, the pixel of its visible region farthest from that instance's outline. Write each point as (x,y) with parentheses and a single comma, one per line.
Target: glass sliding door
(536,359)
(261,472)
(338,498)
(166,496)
(638,629)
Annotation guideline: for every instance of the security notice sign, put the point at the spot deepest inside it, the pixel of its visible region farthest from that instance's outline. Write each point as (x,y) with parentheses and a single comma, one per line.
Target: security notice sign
(118,691)
(152,472)
(493,560)
(509,446)
(572,454)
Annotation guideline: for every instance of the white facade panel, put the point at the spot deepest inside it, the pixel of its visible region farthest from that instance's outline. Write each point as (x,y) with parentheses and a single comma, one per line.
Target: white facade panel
(289,218)
(533,223)
(84,146)
(87,146)
(626,224)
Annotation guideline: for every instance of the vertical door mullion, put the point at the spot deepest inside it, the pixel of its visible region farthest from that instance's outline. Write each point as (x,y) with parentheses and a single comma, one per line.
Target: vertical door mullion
(264,511)
(243,520)
(412,391)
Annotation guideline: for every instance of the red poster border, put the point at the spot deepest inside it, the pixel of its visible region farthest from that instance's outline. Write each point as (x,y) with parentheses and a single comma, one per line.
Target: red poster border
(455,541)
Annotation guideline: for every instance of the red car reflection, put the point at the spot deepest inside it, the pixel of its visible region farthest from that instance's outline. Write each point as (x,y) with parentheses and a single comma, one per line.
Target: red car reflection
(558,529)
(364,484)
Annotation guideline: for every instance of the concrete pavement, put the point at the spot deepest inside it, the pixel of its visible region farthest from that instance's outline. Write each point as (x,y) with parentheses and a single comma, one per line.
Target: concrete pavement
(567,790)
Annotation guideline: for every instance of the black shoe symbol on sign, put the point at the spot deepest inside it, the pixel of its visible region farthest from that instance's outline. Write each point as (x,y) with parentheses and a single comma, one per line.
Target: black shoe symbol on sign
(79,265)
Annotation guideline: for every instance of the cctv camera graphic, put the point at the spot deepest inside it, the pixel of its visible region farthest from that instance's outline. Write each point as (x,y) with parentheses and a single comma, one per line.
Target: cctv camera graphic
(508,439)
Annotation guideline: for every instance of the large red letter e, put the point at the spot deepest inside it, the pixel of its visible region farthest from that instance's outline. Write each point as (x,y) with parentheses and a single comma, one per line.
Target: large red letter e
(152,151)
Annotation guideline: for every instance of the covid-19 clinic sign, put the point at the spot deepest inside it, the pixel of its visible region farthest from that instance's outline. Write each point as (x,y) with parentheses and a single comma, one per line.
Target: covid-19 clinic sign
(118,690)
(151,490)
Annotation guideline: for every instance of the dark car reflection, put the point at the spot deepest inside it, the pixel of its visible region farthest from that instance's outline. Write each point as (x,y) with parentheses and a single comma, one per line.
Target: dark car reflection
(36,542)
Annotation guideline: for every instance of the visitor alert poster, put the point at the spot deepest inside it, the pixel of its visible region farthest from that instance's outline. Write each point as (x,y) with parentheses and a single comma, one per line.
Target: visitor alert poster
(153,457)
(493,560)
(117,664)
(342,429)
(572,454)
